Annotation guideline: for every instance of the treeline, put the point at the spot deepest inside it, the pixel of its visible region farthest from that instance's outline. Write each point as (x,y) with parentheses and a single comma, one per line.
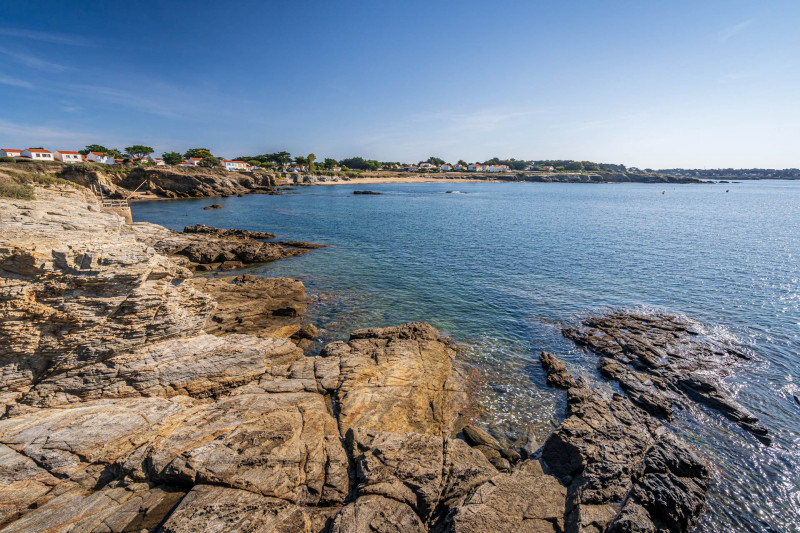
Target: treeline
(737,173)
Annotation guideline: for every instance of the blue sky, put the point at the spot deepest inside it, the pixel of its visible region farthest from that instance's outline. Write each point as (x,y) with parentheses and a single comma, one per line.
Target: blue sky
(648,83)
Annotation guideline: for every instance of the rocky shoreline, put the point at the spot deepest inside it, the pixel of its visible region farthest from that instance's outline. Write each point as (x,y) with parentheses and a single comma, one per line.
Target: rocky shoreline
(154,183)
(137,396)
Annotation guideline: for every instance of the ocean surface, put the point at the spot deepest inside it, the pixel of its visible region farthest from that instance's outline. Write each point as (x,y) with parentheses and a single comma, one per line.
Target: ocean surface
(501,267)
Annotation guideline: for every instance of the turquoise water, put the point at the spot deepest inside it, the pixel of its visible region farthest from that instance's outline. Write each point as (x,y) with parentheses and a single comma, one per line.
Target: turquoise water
(500,267)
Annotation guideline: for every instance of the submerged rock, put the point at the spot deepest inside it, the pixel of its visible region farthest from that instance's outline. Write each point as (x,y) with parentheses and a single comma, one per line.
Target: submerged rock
(366,192)
(660,360)
(212,206)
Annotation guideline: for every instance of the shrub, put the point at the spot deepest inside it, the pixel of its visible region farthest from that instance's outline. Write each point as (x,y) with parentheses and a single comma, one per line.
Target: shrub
(24,161)
(11,189)
(7,160)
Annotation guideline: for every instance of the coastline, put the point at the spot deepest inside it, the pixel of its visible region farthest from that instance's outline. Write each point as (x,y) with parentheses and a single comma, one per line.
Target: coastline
(394,392)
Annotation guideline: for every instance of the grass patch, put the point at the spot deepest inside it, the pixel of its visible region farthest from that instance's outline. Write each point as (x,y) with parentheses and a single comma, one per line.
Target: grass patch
(12,189)
(21,184)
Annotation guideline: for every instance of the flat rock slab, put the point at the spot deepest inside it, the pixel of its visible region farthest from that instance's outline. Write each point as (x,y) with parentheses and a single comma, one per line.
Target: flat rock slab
(396,379)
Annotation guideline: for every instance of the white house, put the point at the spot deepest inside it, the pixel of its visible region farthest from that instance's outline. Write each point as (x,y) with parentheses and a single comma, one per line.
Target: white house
(100,157)
(194,161)
(38,154)
(10,152)
(426,166)
(446,167)
(458,167)
(497,168)
(475,167)
(159,161)
(336,169)
(67,156)
(234,165)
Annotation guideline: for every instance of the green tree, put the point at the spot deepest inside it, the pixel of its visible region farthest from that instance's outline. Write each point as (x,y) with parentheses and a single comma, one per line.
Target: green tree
(359,163)
(198,152)
(209,162)
(281,159)
(139,150)
(172,158)
(330,163)
(255,162)
(574,165)
(300,161)
(462,163)
(438,161)
(93,148)
(311,158)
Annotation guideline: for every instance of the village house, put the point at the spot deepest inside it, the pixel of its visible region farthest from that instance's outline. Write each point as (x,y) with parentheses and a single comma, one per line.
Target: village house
(159,161)
(234,165)
(100,157)
(10,152)
(38,154)
(67,156)
(458,167)
(446,167)
(194,161)
(497,168)
(548,167)
(336,169)
(426,166)
(475,167)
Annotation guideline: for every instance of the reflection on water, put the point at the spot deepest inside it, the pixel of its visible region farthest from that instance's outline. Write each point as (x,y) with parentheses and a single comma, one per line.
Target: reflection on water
(501,267)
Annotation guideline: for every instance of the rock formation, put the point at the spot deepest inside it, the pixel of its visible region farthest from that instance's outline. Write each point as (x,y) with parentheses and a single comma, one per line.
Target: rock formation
(623,469)
(121,412)
(660,360)
(223,249)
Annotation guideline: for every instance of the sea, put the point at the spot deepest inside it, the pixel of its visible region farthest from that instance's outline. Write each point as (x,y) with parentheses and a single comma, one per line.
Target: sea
(502,267)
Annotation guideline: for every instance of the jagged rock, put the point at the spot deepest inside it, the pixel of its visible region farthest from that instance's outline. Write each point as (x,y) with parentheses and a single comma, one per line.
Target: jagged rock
(212,206)
(670,360)
(556,370)
(614,456)
(213,250)
(366,192)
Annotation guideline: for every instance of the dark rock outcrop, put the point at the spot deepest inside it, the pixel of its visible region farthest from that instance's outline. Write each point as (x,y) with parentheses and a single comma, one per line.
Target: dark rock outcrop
(660,360)
(207,250)
(366,192)
(218,232)
(624,471)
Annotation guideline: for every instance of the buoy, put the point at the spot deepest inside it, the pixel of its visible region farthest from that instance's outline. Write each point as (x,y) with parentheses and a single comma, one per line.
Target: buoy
(663,192)
(727,190)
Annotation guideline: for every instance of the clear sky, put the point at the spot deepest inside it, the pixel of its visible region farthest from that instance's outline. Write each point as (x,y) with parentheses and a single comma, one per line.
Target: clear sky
(648,83)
